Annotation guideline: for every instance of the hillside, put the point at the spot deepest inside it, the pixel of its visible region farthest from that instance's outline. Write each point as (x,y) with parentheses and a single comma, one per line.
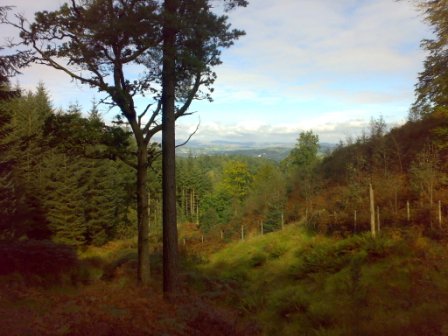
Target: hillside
(293,283)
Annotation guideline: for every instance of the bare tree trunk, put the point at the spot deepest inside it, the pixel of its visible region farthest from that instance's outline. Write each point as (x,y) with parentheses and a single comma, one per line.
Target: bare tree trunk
(396,202)
(192,203)
(372,212)
(197,213)
(143,271)
(184,203)
(408,211)
(170,253)
(378,219)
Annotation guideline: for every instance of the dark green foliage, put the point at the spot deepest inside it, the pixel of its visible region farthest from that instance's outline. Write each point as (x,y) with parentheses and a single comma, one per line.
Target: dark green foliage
(56,179)
(99,198)
(63,201)
(432,86)
(193,184)
(217,210)
(21,156)
(273,218)
(8,195)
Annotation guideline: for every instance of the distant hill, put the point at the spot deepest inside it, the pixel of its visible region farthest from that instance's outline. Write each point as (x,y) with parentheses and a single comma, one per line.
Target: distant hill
(273,151)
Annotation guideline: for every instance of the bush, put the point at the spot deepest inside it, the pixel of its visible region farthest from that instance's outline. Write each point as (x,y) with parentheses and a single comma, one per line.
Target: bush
(39,262)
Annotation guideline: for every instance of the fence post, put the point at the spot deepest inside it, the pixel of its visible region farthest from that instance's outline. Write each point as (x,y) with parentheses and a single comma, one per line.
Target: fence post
(378,219)
(372,211)
(242,232)
(408,211)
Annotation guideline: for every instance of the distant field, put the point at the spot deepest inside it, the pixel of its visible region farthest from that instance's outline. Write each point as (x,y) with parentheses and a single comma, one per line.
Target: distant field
(276,152)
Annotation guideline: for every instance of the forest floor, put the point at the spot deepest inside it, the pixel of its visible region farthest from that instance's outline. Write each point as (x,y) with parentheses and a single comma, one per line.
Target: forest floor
(101,297)
(283,283)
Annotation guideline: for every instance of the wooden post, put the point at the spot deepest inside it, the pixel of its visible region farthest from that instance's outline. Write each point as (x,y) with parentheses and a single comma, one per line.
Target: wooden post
(372,212)
(222,235)
(202,239)
(408,211)
(197,213)
(261,228)
(185,242)
(396,203)
(283,221)
(354,220)
(378,219)
(242,232)
(440,214)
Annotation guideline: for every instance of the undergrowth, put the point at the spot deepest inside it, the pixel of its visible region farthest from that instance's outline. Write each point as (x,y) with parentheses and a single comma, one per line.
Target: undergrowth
(294,283)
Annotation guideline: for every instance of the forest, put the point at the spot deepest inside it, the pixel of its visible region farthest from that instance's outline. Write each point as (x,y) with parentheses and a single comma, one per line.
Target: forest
(344,241)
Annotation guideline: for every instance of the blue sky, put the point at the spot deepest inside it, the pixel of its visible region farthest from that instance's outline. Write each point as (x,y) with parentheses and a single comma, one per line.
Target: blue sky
(325,65)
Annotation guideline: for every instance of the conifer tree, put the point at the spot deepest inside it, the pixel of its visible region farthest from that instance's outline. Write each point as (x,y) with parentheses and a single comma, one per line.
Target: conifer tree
(63,200)
(184,39)
(431,89)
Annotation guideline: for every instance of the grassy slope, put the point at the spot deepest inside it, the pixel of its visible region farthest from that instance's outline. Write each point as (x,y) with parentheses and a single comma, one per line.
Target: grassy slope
(289,282)
(296,284)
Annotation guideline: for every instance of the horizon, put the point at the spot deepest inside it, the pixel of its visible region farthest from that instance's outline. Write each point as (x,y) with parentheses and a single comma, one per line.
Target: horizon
(303,65)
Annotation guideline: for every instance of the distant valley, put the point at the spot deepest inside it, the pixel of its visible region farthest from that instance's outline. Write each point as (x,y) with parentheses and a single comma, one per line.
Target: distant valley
(272,151)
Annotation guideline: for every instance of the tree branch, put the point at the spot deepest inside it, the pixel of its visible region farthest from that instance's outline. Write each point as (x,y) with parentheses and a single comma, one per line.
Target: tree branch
(190,136)
(180,112)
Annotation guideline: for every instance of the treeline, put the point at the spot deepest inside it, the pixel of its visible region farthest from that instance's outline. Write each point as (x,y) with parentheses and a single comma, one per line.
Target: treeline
(406,166)
(229,197)
(69,177)
(221,193)
(59,178)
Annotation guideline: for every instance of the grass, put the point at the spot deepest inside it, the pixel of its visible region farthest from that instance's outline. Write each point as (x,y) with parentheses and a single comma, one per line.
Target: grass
(293,283)
(287,283)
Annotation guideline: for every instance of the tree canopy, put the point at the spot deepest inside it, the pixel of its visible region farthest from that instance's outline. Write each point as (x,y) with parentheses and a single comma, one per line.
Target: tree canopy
(432,87)
(173,45)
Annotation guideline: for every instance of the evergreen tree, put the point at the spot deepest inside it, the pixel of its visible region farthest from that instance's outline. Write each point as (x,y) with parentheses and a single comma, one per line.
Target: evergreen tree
(302,163)
(63,199)
(98,200)
(181,38)
(432,86)
(8,196)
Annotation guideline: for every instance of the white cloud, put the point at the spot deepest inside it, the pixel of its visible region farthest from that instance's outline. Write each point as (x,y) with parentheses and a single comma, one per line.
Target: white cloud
(324,65)
(329,131)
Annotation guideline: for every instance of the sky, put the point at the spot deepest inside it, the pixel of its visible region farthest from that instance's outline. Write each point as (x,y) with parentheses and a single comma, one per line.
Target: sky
(329,66)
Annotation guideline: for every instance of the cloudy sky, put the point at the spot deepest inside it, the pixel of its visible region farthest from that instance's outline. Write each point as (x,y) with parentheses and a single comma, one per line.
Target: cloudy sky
(325,65)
